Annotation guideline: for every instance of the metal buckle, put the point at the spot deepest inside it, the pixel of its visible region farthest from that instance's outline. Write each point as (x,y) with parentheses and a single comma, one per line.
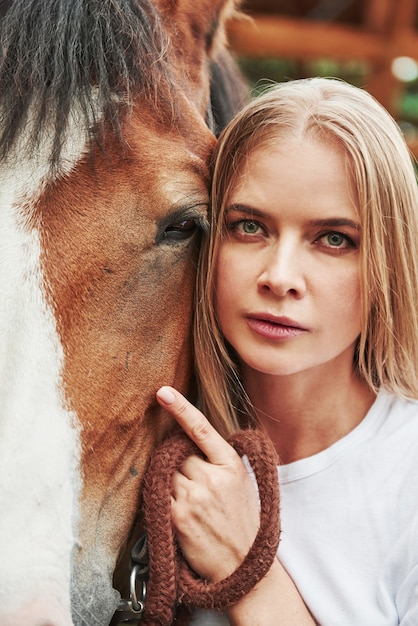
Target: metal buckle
(131,610)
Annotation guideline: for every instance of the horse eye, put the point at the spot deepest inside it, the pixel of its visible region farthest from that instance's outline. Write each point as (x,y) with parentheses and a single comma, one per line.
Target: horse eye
(180,230)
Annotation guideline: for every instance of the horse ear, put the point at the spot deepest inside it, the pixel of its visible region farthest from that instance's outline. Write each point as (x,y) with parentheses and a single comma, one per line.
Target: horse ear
(200,24)
(198,36)
(208,19)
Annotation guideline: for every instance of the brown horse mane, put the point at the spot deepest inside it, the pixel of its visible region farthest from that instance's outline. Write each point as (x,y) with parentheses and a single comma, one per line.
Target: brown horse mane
(229,90)
(96,53)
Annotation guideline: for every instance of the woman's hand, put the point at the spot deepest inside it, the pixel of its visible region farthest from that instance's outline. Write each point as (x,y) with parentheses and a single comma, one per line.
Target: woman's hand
(214,506)
(215,511)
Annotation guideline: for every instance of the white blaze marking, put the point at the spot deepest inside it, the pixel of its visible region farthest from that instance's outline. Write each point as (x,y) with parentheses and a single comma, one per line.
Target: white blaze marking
(39,447)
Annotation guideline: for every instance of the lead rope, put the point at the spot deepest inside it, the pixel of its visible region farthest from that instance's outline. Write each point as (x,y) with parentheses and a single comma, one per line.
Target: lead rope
(173,589)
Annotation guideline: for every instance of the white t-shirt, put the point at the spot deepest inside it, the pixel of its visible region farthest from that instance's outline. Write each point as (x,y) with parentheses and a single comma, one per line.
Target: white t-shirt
(349,519)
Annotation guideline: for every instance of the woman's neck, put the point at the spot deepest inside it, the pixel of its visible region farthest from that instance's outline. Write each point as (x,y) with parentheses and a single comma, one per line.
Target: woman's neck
(304,415)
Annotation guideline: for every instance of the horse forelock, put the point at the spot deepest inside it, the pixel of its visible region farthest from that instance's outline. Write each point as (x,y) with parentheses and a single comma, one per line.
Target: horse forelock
(92,55)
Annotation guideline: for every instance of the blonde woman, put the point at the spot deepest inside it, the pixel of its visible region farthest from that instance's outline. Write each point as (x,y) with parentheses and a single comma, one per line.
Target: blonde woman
(307,325)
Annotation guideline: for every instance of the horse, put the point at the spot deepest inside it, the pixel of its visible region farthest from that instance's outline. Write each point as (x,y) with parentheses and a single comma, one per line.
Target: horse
(106,132)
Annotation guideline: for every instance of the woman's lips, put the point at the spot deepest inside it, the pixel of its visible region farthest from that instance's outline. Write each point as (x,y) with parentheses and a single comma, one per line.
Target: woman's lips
(273,327)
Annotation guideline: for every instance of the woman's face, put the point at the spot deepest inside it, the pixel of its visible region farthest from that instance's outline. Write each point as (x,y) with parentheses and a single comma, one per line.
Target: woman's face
(287,274)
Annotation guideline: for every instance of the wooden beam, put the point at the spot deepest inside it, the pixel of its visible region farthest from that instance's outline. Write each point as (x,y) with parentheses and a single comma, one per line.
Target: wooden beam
(403,14)
(395,23)
(388,31)
(377,16)
(274,36)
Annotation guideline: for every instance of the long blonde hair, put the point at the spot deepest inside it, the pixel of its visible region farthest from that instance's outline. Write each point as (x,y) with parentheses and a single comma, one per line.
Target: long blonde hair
(387,197)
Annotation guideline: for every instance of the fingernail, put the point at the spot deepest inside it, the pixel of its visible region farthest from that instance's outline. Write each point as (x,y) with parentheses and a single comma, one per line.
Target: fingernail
(166,395)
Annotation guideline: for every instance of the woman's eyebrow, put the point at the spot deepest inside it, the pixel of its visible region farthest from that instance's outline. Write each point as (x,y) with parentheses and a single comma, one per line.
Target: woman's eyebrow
(243,208)
(329,222)
(333,222)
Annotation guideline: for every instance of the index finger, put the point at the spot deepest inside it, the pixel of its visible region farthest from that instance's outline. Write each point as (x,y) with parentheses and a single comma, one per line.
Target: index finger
(196,426)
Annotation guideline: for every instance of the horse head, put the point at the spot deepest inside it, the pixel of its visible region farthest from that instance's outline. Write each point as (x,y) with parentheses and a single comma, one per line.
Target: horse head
(104,152)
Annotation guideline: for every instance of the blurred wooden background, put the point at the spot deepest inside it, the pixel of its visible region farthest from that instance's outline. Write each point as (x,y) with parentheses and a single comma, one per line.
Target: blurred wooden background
(372,43)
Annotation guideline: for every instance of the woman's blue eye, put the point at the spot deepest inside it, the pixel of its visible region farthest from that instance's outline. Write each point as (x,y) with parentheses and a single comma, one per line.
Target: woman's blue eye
(249,227)
(336,240)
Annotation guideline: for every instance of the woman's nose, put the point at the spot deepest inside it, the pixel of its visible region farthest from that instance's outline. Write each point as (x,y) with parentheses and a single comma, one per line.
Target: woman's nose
(282,272)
